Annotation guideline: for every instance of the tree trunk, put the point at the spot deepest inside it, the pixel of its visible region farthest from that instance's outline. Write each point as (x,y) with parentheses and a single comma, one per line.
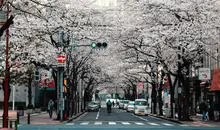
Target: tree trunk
(172,86)
(186,90)
(160,98)
(154,99)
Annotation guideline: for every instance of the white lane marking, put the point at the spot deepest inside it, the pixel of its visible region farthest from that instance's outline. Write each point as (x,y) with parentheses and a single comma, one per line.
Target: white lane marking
(84,123)
(125,123)
(97,116)
(140,117)
(153,123)
(139,123)
(70,124)
(98,123)
(112,123)
(167,124)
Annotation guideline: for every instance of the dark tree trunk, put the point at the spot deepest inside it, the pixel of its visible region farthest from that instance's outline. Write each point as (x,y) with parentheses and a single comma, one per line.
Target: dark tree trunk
(160,96)
(154,98)
(172,86)
(186,92)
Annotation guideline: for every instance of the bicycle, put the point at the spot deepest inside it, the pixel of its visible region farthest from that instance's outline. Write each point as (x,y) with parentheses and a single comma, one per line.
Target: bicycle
(109,110)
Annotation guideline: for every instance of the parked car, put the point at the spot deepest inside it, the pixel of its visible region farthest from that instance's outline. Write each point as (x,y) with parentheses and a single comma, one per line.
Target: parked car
(93,106)
(98,103)
(121,103)
(130,107)
(125,104)
(141,107)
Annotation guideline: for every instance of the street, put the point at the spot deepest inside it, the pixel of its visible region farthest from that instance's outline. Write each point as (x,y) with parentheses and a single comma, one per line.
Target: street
(119,119)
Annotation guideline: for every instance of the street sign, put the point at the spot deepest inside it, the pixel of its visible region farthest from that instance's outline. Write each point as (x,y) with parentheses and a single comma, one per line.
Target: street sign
(3,17)
(204,74)
(61,60)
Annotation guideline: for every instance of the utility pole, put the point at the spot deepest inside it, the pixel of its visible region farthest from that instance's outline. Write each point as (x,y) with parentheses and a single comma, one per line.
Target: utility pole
(6,89)
(60,79)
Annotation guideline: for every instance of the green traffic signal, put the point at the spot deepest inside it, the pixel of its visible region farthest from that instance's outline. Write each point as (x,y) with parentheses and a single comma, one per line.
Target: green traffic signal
(93,45)
(99,45)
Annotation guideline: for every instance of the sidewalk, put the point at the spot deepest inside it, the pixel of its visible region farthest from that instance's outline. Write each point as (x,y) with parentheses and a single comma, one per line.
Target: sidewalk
(196,121)
(42,118)
(14,113)
(45,119)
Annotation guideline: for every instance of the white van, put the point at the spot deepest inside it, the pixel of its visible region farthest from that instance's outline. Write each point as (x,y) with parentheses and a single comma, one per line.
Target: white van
(141,107)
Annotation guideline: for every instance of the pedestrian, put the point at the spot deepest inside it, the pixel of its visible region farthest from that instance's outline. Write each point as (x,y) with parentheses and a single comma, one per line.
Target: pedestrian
(109,105)
(50,107)
(204,107)
(216,110)
(113,103)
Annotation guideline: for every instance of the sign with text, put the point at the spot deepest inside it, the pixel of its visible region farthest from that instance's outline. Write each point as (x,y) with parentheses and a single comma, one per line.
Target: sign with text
(204,74)
(61,60)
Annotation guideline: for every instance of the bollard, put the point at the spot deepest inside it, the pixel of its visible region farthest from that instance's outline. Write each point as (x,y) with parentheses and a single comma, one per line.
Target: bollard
(10,124)
(17,117)
(16,124)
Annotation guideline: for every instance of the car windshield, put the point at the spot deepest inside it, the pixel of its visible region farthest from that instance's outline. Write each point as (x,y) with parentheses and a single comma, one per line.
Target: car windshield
(141,103)
(126,102)
(131,103)
(92,103)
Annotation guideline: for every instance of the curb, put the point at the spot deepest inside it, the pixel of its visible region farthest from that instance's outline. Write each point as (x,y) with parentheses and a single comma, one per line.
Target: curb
(164,118)
(35,114)
(77,115)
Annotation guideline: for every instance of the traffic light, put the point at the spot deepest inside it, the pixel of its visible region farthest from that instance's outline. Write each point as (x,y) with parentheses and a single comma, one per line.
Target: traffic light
(99,45)
(37,75)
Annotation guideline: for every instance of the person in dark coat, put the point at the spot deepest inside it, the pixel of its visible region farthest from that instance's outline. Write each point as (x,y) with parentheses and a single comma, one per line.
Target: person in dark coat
(204,107)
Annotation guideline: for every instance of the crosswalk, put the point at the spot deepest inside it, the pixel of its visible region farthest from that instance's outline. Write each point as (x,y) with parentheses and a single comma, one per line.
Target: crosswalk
(124,123)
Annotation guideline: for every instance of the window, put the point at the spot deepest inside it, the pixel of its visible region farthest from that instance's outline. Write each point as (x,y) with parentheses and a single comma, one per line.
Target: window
(131,103)
(141,103)
(126,102)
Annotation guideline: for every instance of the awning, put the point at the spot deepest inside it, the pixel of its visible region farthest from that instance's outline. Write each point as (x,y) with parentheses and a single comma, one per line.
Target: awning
(202,83)
(215,86)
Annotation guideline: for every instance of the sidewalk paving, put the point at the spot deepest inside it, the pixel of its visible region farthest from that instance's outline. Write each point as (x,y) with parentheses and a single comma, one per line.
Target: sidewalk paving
(196,121)
(14,113)
(40,119)
(44,118)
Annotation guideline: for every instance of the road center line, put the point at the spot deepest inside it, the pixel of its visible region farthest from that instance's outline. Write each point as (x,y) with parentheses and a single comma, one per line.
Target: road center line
(140,117)
(97,116)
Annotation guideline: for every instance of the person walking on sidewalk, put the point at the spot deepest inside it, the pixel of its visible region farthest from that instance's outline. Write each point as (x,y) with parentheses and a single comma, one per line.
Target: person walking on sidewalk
(50,107)
(204,108)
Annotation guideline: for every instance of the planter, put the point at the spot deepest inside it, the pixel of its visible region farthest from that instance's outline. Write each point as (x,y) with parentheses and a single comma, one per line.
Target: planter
(37,110)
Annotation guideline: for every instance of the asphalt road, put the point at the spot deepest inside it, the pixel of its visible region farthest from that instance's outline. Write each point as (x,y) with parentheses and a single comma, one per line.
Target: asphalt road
(118,120)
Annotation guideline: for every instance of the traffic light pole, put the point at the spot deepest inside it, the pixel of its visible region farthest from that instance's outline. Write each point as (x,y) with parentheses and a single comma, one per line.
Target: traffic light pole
(60,69)
(60,79)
